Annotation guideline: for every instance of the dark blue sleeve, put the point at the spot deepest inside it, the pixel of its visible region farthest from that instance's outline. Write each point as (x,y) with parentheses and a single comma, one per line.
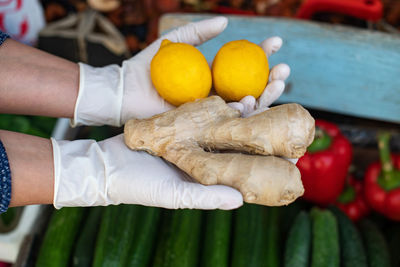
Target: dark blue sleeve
(5,172)
(5,180)
(3,37)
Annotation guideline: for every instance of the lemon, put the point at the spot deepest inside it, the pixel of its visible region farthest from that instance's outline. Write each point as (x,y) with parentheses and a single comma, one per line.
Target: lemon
(240,68)
(180,73)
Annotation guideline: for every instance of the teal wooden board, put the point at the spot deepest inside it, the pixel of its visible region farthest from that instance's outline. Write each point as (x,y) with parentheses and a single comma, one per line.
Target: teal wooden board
(334,68)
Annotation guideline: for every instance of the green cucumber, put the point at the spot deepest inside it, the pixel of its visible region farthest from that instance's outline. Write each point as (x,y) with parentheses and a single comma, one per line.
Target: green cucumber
(217,238)
(144,238)
(9,220)
(273,237)
(298,243)
(180,239)
(393,238)
(60,237)
(352,252)
(8,217)
(115,235)
(250,239)
(289,214)
(83,252)
(375,244)
(325,242)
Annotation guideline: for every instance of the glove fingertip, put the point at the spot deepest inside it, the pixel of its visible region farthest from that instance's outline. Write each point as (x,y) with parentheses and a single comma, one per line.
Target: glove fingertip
(218,197)
(231,205)
(271,45)
(236,105)
(227,198)
(221,21)
(248,100)
(271,93)
(294,161)
(196,33)
(280,72)
(208,29)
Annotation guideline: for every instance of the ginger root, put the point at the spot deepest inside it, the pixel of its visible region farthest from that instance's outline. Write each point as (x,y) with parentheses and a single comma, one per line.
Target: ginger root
(247,148)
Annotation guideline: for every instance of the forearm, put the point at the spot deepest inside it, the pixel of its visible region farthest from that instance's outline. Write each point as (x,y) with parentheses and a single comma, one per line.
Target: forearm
(34,82)
(32,171)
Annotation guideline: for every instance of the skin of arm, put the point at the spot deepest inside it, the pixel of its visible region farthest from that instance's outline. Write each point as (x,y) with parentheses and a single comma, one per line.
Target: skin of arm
(32,171)
(34,82)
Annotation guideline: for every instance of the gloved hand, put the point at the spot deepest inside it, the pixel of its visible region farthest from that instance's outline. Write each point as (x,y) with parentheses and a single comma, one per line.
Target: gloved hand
(248,105)
(112,94)
(89,173)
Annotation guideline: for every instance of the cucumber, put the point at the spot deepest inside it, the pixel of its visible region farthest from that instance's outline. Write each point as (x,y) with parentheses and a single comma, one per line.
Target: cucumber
(60,237)
(393,239)
(273,237)
(8,217)
(217,238)
(144,238)
(375,244)
(352,252)
(180,238)
(250,239)
(289,214)
(298,243)
(325,239)
(9,220)
(115,235)
(83,252)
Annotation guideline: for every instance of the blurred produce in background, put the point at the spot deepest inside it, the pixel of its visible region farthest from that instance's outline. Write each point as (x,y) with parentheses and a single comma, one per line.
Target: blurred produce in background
(137,20)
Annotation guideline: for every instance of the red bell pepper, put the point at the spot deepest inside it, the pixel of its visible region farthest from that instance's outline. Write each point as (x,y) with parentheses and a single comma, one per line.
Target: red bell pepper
(352,201)
(382,184)
(325,165)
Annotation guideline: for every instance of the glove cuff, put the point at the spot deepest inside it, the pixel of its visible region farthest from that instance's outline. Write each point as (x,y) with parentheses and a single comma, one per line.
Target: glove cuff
(100,95)
(80,177)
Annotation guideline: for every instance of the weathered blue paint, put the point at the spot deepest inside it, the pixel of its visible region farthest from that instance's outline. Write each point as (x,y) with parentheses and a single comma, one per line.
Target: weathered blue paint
(334,68)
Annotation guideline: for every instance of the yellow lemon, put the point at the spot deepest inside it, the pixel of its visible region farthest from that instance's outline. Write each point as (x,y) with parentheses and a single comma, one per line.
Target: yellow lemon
(240,68)
(180,73)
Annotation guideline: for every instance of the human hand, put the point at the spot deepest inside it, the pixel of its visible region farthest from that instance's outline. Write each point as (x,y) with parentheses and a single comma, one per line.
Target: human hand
(89,173)
(112,95)
(248,105)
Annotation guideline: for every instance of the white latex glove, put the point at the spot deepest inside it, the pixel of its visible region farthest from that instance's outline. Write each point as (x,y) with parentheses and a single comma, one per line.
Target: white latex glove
(248,105)
(89,173)
(112,95)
